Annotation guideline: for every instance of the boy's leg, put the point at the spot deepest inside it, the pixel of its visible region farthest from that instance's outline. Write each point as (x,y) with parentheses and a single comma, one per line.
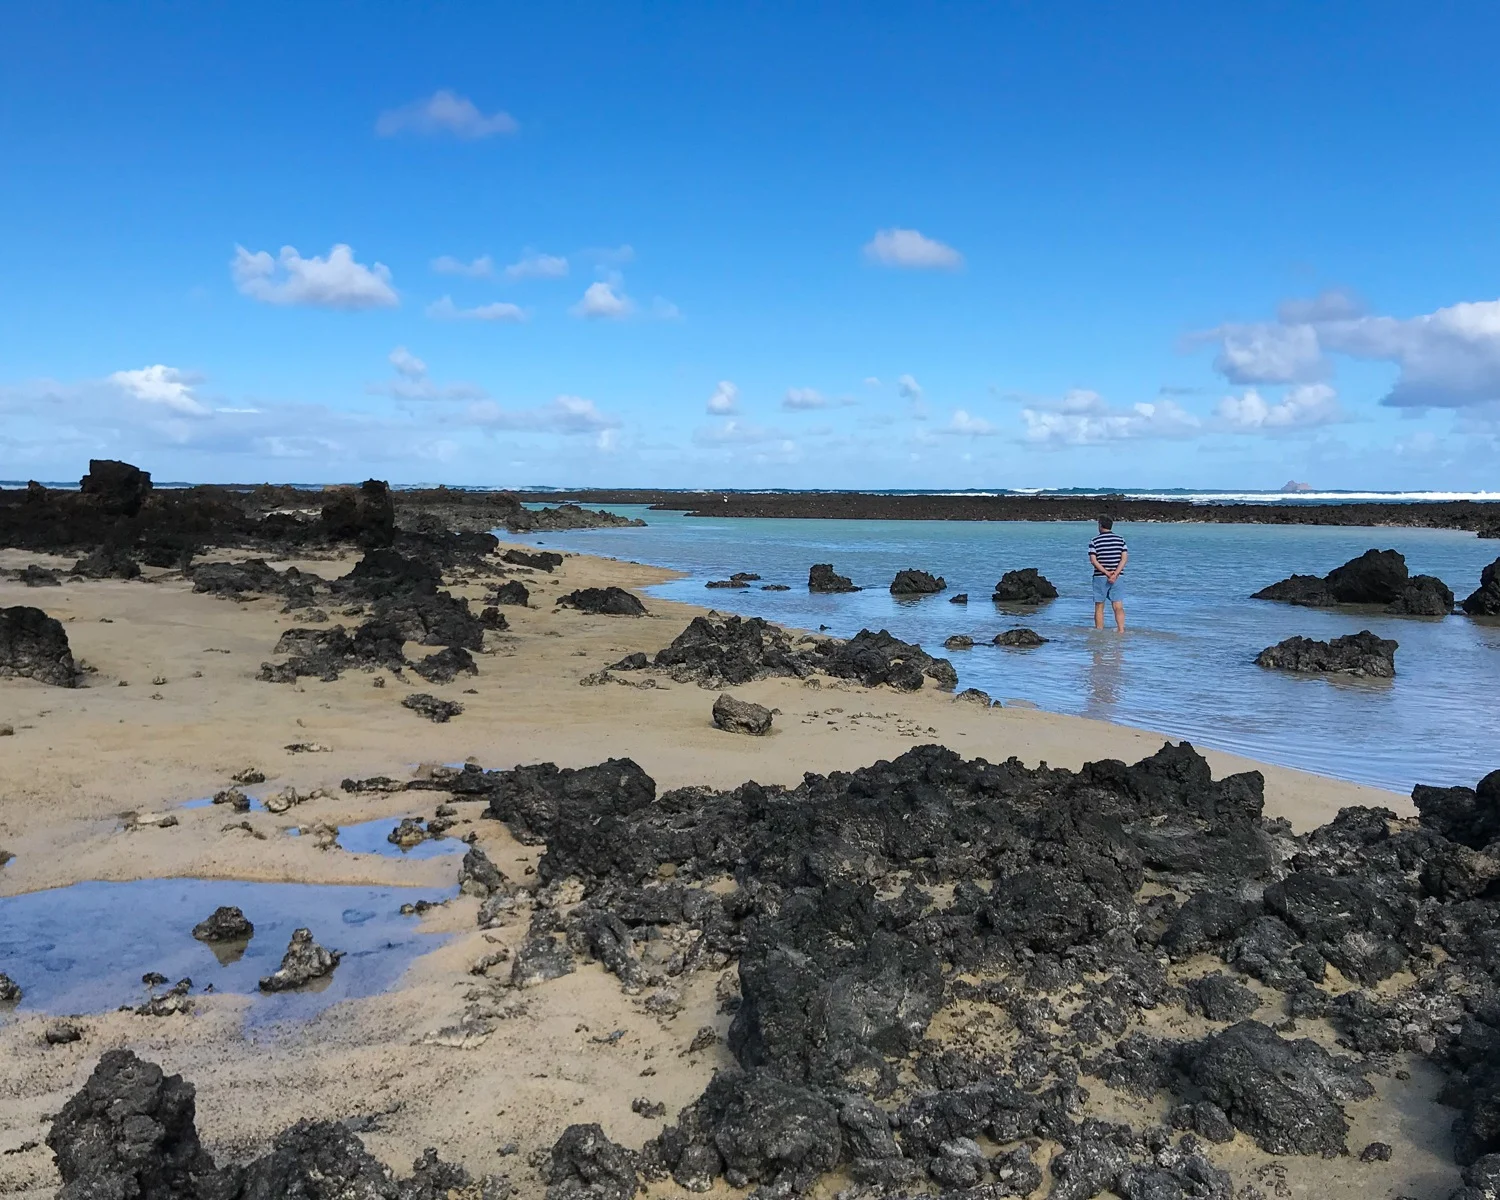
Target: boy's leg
(1099,616)
(1119,616)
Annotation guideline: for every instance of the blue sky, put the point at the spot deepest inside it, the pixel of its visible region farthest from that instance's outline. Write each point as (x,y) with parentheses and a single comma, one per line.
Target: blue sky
(753,245)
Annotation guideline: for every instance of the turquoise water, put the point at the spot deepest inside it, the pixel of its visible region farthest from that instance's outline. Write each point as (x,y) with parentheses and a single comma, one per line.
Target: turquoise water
(1186,665)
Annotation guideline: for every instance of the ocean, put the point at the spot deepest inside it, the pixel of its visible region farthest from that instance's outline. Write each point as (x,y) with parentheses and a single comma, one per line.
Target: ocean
(1185,667)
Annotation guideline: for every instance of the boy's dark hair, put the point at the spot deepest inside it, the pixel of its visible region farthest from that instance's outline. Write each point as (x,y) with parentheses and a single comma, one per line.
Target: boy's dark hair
(1106,523)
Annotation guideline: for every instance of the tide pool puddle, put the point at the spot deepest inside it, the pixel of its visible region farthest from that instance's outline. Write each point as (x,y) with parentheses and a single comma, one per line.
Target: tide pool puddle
(84,948)
(373,837)
(256,804)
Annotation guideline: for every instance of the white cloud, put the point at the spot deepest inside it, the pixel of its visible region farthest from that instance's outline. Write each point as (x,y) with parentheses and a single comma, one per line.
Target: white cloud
(725,400)
(1083,418)
(445,112)
(909,388)
(799,399)
(1448,359)
(964,425)
(1303,407)
(602,302)
(872,381)
(532,265)
(407,363)
(161,385)
(482,267)
(333,282)
(446,310)
(564,414)
(908,248)
(1332,304)
(1268,353)
(412,383)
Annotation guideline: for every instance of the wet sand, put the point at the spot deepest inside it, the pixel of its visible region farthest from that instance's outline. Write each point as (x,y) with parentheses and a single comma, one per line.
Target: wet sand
(402,1062)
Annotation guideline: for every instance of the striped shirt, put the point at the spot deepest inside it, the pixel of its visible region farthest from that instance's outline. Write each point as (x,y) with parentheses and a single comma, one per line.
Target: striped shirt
(1108,548)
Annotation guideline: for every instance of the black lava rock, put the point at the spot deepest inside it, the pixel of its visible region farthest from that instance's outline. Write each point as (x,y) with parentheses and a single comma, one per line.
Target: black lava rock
(916,583)
(1026,586)
(821,578)
(35,646)
(608,602)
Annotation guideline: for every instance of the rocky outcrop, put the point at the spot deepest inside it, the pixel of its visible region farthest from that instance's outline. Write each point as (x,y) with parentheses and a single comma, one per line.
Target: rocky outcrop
(107,562)
(117,488)
(512,591)
(606,602)
(1375,577)
(304,962)
(586,1165)
(446,665)
(1026,586)
(822,578)
(880,658)
(10,990)
(741,716)
(1287,1095)
(717,650)
(1020,639)
(916,583)
(365,515)
(35,646)
(539,560)
(1361,654)
(225,924)
(1484,601)
(958,641)
(326,653)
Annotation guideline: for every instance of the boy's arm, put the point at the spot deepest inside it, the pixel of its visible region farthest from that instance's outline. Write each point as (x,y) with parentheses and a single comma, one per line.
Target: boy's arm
(1120,570)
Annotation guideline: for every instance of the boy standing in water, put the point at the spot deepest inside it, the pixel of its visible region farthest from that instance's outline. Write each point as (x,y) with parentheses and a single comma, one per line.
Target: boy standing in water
(1107,555)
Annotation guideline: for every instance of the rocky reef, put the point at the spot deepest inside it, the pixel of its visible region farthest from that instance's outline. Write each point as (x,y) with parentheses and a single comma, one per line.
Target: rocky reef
(35,646)
(1026,586)
(917,583)
(1362,654)
(1484,601)
(718,650)
(822,578)
(1375,577)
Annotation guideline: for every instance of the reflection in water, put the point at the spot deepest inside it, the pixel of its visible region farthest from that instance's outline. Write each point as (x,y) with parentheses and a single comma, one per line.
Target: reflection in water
(1105,673)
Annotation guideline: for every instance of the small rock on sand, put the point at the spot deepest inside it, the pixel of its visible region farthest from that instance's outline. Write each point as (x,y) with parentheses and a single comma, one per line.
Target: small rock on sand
(427,705)
(741,716)
(303,962)
(10,990)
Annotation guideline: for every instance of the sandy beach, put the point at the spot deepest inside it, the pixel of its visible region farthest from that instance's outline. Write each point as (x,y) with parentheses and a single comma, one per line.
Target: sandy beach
(172,709)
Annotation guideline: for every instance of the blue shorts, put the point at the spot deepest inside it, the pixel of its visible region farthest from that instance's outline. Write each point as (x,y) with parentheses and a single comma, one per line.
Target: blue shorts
(1106,592)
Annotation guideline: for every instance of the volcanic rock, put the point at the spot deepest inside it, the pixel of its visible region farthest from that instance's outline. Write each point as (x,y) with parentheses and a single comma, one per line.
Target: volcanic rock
(325,653)
(35,646)
(540,560)
(1468,816)
(916,583)
(959,641)
(129,1132)
(1285,1094)
(726,583)
(961,598)
(876,658)
(540,958)
(1023,639)
(445,664)
(1423,596)
(821,578)
(492,618)
(1220,998)
(732,650)
(512,591)
(1484,601)
(225,924)
(1026,586)
(608,602)
(303,962)
(10,990)
(427,705)
(1375,577)
(1361,654)
(586,1165)
(118,488)
(365,516)
(741,716)
(34,576)
(107,562)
